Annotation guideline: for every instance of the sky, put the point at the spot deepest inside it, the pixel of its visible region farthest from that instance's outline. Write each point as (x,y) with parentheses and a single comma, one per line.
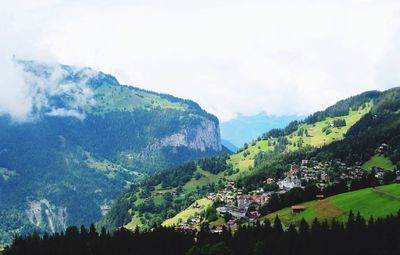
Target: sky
(235,58)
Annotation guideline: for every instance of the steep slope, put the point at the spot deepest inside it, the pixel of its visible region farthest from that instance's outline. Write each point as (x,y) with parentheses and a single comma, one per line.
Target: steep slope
(86,139)
(158,199)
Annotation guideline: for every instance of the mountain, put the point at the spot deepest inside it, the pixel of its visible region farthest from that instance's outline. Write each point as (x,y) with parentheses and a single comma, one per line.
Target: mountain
(230,146)
(86,139)
(180,195)
(244,129)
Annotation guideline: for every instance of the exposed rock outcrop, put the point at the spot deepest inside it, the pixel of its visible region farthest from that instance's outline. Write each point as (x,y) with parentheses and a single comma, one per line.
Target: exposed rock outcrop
(204,136)
(45,215)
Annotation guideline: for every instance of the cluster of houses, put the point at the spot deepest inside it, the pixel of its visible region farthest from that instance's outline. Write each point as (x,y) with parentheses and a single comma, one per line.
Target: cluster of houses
(244,207)
(236,204)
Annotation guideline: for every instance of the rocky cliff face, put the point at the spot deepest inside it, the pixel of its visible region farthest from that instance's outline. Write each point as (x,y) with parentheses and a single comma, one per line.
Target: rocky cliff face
(43,214)
(201,137)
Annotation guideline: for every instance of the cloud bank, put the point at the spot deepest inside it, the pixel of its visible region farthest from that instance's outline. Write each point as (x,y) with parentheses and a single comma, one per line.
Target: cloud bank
(233,57)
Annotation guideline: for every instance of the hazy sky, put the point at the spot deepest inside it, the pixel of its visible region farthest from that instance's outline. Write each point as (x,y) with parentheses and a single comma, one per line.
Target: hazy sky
(232,57)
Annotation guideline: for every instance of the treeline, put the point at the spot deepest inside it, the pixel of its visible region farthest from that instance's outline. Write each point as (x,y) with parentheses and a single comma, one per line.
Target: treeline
(355,236)
(215,164)
(170,178)
(277,132)
(342,107)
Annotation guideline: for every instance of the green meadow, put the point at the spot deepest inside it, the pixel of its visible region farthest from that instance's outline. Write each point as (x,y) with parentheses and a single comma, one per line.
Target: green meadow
(378,161)
(377,202)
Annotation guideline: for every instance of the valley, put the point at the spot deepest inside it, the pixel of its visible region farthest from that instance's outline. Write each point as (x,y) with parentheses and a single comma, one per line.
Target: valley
(208,184)
(333,155)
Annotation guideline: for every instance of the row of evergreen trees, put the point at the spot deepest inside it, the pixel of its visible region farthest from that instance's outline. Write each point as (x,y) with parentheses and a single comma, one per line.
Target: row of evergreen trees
(356,236)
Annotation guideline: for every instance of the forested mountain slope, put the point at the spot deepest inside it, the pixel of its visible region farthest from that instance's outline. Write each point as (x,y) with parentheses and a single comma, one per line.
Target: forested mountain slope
(85,140)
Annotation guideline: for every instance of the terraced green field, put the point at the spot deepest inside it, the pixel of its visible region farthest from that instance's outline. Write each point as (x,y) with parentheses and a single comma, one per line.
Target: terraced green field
(377,202)
(378,161)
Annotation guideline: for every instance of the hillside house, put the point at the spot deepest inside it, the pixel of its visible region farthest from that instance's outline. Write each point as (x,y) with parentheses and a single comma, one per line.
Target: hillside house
(304,162)
(298,208)
(259,199)
(293,170)
(269,181)
(217,230)
(222,210)
(237,213)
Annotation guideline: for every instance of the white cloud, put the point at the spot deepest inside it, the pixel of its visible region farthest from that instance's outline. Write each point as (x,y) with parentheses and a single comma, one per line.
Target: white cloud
(278,57)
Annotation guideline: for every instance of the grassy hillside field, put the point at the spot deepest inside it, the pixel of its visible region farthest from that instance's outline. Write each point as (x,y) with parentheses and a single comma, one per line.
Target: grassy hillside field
(377,202)
(195,209)
(378,161)
(317,137)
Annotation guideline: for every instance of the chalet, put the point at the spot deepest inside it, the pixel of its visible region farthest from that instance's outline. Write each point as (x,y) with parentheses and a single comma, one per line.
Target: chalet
(231,222)
(217,230)
(304,162)
(293,170)
(237,213)
(382,149)
(269,181)
(254,214)
(325,177)
(298,208)
(229,199)
(222,210)
(259,199)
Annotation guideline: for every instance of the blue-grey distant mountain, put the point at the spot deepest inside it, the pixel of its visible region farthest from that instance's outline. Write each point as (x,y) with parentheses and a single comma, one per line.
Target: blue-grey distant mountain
(246,128)
(230,146)
(87,139)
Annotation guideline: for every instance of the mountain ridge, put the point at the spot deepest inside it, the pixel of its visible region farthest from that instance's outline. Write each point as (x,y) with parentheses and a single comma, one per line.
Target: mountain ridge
(85,140)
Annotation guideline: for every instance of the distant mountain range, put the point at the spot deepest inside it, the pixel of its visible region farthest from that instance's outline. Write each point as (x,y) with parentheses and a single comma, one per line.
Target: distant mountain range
(244,129)
(230,146)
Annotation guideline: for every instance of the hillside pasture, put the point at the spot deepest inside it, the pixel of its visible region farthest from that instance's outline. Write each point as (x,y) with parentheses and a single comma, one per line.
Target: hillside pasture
(370,202)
